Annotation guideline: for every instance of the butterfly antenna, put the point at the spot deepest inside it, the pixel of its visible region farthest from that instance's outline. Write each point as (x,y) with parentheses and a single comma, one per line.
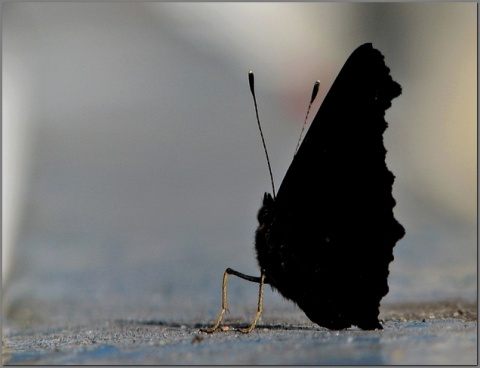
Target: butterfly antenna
(252,89)
(316,86)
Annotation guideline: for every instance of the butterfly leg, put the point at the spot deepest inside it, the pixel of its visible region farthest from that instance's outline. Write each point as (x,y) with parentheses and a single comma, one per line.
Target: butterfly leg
(227,272)
(224,305)
(259,308)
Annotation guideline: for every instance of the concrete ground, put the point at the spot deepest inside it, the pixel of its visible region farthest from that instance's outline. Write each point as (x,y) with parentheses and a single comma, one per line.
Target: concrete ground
(420,334)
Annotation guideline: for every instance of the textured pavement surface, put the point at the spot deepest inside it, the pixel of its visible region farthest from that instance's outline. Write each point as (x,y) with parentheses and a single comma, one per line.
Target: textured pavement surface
(419,334)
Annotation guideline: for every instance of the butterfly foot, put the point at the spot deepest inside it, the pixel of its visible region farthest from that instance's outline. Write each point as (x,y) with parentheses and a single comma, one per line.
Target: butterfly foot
(217,324)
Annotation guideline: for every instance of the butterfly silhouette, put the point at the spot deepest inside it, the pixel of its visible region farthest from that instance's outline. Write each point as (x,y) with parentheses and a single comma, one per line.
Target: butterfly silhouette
(326,239)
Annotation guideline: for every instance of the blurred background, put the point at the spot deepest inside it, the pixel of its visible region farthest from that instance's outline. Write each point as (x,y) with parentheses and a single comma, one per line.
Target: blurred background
(133,168)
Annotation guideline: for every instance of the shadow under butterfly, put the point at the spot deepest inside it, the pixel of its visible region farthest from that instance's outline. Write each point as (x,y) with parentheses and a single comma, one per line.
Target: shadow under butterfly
(326,240)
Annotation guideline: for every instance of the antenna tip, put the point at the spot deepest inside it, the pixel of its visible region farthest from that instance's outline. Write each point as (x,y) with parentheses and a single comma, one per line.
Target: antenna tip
(316,86)
(251,82)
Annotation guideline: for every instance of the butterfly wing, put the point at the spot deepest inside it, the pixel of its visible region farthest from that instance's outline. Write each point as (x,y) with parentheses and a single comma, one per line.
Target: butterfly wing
(327,239)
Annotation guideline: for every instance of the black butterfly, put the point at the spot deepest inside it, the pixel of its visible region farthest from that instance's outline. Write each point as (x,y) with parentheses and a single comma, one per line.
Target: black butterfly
(326,240)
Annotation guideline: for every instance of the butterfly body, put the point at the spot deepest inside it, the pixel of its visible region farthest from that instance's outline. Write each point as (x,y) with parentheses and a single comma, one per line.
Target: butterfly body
(326,240)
